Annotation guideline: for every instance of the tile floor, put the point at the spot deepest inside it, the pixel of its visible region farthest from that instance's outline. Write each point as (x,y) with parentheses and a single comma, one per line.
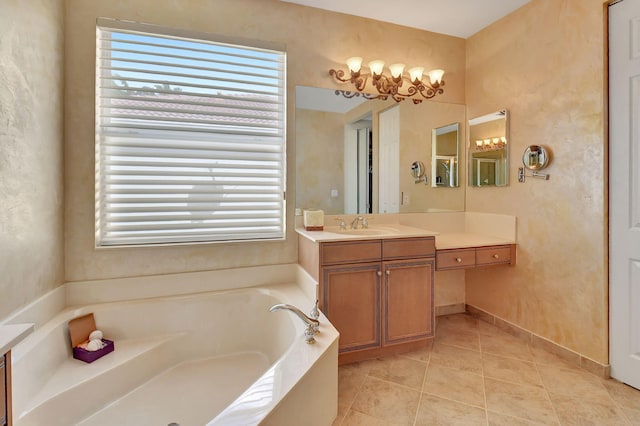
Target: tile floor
(475,374)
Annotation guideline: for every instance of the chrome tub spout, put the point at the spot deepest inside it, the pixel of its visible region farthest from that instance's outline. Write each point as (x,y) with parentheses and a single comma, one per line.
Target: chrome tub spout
(311,323)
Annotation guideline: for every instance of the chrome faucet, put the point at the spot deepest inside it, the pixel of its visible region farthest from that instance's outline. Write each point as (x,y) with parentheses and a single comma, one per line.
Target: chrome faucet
(354,224)
(311,323)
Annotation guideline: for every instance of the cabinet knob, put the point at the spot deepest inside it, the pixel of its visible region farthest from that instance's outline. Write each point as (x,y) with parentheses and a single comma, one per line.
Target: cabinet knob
(458,260)
(495,256)
(379,273)
(388,272)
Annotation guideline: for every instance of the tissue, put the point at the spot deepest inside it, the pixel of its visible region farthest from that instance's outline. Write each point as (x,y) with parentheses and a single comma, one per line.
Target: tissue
(313,220)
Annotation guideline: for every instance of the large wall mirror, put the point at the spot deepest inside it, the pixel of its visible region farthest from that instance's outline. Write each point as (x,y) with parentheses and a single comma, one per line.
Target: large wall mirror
(489,149)
(356,155)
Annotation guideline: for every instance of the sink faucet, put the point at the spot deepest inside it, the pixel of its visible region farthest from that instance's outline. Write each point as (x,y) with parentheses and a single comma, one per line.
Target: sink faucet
(312,323)
(354,224)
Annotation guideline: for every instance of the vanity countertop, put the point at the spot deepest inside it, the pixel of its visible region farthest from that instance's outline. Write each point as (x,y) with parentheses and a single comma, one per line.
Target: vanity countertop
(377,232)
(12,334)
(458,240)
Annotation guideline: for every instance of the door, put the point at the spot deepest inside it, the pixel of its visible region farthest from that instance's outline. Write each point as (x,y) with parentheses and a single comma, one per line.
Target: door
(352,304)
(408,300)
(389,161)
(624,191)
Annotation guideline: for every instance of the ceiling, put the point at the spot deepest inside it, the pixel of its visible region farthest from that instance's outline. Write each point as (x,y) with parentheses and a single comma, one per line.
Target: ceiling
(460,18)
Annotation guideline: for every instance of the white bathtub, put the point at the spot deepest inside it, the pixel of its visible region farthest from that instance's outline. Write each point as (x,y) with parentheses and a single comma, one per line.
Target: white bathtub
(218,358)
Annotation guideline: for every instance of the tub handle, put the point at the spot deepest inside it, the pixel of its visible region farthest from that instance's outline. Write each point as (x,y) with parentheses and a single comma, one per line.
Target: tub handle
(315,314)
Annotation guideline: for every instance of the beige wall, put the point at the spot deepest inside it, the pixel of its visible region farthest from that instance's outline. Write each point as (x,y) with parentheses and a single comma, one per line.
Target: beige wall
(544,63)
(315,41)
(31,196)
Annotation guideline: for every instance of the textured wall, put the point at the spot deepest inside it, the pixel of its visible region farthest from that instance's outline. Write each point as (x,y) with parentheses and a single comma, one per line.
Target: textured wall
(31,196)
(544,63)
(315,41)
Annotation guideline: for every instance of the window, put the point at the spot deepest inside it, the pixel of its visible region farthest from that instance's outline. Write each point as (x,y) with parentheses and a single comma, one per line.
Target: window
(190,138)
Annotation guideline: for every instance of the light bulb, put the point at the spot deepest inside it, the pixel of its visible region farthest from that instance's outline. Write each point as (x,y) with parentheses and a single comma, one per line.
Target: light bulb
(376,67)
(396,70)
(354,64)
(415,74)
(478,143)
(435,76)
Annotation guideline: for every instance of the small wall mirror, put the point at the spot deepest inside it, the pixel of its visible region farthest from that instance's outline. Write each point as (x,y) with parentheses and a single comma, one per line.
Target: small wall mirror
(445,142)
(535,157)
(417,170)
(489,149)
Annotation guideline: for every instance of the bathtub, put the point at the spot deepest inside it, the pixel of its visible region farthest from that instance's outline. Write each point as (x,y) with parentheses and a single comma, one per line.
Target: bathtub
(208,358)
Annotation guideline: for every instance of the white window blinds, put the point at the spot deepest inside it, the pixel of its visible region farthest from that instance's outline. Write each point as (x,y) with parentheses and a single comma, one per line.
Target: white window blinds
(190,138)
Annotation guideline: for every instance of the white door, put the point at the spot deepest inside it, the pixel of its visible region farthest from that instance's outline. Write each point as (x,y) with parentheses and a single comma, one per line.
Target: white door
(624,191)
(389,161)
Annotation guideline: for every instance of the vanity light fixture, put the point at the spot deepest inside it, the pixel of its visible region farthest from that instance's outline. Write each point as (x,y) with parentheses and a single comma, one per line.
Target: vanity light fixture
(491,144)
(392,84)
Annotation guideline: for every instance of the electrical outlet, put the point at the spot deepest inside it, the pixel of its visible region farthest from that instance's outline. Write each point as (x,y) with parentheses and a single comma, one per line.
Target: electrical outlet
(334,193)
(405,199)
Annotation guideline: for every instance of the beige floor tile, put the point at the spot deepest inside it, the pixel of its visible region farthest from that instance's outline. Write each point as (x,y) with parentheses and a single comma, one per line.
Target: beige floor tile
(421,354)
(387,401)
(505,345)
(574,383)
(343,409)
(360,367)
(355,418)
(401,370)
(454,357)
(523,401)
(439,411)
(458,385)
(633,416)
(349,383)
(510,370)
(579,411)
(459,338)
(624,395)
(496,419)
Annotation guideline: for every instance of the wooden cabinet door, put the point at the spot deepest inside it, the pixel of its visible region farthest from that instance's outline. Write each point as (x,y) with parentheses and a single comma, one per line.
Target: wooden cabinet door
(351,296)
(407,302)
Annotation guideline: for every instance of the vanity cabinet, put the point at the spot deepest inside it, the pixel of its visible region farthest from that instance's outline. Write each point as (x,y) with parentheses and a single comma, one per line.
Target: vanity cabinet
(377,293)
(476,256)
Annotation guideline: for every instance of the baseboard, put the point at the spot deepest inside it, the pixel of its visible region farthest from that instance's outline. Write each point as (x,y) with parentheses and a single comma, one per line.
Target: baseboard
(568,355)
(456,308)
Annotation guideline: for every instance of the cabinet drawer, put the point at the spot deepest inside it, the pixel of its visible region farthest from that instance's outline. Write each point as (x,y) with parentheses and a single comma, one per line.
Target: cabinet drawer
(493,255)
(456,259)
(350,252)
(408,248)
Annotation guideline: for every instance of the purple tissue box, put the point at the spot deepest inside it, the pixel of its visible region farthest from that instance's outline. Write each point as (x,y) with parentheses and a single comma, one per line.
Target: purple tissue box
(89,356)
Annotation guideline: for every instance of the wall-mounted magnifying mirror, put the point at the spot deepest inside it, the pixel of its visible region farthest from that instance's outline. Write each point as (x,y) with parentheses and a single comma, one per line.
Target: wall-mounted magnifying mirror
(417,171)
(489,149)
(444,155)
(535,157)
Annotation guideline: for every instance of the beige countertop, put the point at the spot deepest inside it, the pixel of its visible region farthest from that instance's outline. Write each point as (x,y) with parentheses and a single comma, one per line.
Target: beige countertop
(448,240)
(377,232)
(12,334)
(464,239)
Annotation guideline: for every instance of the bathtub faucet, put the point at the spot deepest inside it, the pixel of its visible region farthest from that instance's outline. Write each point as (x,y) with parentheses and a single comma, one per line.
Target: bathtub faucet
(311,323)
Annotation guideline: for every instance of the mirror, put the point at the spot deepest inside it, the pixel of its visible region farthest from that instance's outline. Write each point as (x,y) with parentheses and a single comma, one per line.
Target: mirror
(353,155)
(489,150)
(444,156)
(417,171)
(535,157)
